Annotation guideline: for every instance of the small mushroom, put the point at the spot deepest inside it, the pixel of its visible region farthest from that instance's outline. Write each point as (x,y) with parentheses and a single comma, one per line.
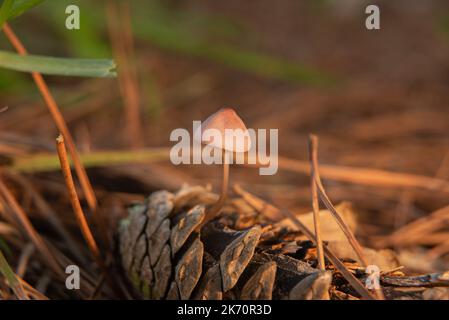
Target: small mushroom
(226,131)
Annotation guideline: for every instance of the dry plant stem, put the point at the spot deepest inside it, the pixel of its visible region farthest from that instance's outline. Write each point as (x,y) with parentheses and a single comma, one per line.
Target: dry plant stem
(415,230)
(362,176)
(59,121)
(369,177)
(121,38)
(29,229)
(24,258)
(439,250)
(32,291)
(316,175)
(79,214)
(313,147)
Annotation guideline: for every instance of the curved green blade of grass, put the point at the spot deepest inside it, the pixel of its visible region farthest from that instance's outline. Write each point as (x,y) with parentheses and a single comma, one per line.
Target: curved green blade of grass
(58,66)
(5,11)
(13,8)
(20,6)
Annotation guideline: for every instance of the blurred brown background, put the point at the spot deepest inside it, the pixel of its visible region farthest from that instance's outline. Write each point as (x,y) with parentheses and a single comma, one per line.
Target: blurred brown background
(376,99)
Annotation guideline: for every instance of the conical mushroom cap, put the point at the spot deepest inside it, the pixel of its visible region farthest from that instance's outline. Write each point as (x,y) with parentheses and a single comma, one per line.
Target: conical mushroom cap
(226,130)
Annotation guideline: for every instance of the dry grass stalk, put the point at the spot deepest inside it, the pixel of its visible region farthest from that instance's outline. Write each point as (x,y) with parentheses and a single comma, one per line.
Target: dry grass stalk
(79,214)
(27,252)
(368,177)
(313,147)
(48,213)
(34,236)
(121,38)
(31,291)
(415,230)
(58,119)
(361,176)
(317,181)
(439,250)
(97,288)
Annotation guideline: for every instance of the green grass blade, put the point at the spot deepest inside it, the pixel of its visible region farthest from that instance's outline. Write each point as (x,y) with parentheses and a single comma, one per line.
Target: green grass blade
(14,8)
(20,6)
(58,66)
(5,11)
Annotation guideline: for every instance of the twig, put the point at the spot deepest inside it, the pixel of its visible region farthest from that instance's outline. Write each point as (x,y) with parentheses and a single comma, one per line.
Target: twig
(79,214)
(348,233)
(58,119)
(313,147)
(29,229)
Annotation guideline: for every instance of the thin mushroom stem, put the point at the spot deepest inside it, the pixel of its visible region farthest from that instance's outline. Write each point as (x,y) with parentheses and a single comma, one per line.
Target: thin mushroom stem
(215,209)
(225,182)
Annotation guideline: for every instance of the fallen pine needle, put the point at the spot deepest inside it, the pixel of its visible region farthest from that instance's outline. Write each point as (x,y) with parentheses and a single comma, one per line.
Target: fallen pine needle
(313,150)
(29,229)
(79,214)
(319,186)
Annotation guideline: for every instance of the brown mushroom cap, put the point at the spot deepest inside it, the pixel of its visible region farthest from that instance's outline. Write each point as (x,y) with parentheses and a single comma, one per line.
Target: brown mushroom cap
(234,134)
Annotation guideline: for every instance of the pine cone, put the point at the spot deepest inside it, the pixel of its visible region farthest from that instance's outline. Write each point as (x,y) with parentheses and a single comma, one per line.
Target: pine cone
(165,256)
